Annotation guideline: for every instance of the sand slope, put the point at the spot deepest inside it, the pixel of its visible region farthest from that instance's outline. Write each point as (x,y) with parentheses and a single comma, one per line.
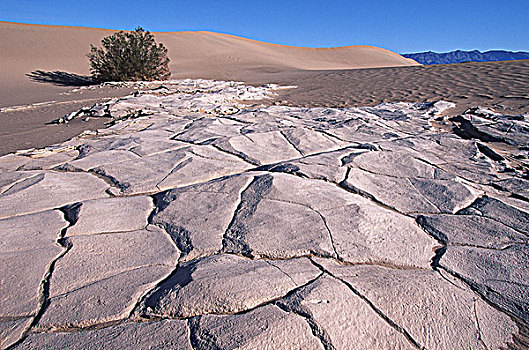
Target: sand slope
(216,54)
(502,86)
(26,48)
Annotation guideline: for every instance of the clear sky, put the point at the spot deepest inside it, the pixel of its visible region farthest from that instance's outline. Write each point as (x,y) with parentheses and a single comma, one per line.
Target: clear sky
(402,25)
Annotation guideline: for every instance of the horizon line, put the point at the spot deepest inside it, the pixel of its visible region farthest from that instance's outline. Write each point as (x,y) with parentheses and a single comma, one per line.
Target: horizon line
(211,32)
(237,36)
(192,31)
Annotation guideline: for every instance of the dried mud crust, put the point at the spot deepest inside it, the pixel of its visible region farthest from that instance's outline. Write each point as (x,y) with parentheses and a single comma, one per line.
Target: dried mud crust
(204,223)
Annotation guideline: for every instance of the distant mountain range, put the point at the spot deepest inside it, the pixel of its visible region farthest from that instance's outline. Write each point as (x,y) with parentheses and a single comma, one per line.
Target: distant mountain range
(466,56)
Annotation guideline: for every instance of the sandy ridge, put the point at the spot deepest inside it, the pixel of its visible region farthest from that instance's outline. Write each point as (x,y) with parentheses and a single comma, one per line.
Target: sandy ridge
(29,47)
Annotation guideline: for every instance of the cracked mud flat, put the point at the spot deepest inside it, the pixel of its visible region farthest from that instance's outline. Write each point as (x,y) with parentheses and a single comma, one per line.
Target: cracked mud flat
(198,222)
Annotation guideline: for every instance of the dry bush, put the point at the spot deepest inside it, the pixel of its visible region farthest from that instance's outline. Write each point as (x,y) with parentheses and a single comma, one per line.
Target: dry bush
(129,56)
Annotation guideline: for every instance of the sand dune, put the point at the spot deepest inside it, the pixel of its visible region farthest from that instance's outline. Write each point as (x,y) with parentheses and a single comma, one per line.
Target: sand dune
(26,48)
(325,77)
(216,54)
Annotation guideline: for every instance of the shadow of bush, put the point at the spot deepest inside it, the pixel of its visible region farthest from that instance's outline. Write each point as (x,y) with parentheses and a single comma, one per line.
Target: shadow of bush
(60,78)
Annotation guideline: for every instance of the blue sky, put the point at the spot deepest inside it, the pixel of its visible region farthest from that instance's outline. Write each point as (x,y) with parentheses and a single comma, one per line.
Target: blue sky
(402,26)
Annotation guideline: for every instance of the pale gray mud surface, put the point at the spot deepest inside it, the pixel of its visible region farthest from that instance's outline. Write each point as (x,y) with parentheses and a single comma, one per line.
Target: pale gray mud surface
(195,221)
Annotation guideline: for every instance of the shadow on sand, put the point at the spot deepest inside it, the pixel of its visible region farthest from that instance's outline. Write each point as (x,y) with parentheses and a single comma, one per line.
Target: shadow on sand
(59,78)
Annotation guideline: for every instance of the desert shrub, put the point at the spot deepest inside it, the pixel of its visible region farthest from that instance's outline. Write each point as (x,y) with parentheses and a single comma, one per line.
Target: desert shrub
(129,56)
